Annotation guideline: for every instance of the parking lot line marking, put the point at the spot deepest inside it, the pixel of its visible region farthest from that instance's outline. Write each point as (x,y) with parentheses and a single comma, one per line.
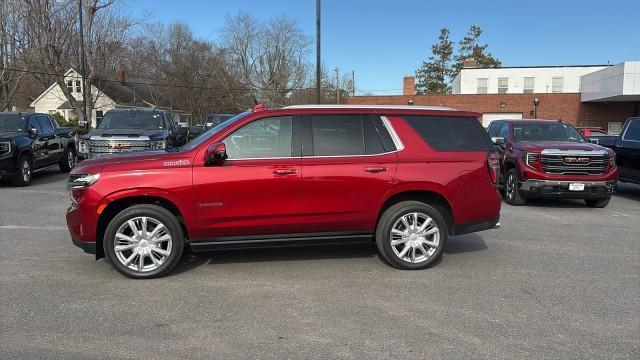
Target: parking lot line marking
(25,227)
(41,192)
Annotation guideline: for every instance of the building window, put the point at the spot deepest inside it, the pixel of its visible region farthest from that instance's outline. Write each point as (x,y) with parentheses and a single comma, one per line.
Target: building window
(614,127)
(482,85)
(529,85)
(78,86)
(556,84)
(70,85)
(99,115)
(579,83)
(503,85)
(74,86)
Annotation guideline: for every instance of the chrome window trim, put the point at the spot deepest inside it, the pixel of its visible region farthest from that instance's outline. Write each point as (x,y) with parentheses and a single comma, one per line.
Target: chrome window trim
(385,107)
(394,136)
(627,129)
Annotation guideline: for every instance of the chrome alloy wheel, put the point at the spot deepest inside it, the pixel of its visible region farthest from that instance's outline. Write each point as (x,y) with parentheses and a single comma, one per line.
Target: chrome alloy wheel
(511,186)
(142,244)
(25,170)
(415,237)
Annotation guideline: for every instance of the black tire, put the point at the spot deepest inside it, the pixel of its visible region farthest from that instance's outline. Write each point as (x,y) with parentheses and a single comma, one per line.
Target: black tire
(158,213)
(512,194)
(597,203)
(69,160)
(25,171)
(392,215)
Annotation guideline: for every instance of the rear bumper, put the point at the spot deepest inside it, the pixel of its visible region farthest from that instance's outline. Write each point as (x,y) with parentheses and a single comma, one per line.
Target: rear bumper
(560,189)
(466,228)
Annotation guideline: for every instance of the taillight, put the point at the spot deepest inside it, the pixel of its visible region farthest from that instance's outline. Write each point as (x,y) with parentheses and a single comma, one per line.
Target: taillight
(493,164)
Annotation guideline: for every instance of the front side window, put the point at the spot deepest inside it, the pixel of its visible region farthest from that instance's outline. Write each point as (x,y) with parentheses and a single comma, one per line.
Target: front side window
(337,135)
(264,138)
(494,129)
(546,132)
(45,124)
(482,85)
(557,84)
(503,85)
(504,132)
(529,84)
(632,133)
(34,124)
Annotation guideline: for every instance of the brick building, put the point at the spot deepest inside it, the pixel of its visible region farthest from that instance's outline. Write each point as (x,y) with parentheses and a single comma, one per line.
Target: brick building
(608,96)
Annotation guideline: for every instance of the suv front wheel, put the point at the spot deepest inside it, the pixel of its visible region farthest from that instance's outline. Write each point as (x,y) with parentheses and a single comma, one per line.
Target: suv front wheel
(144,241)
(411,235)
(511,191)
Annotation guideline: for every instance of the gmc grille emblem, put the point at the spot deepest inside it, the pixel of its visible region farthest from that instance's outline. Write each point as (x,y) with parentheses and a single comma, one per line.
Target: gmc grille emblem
(577,160)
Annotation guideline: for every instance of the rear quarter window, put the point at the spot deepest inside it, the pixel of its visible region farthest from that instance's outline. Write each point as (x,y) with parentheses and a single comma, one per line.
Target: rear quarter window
(451,133)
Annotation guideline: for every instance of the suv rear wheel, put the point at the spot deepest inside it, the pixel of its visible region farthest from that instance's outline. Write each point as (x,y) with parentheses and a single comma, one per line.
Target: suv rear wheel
(144,241)
(511,192)
(411,235)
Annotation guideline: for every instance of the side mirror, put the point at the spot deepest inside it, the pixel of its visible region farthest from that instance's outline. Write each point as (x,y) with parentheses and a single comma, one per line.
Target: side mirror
(216,154)
(498,140)
(33,132)
(593,140)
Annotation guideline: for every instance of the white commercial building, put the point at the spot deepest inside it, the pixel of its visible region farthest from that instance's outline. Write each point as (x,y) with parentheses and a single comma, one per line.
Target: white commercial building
(521,80)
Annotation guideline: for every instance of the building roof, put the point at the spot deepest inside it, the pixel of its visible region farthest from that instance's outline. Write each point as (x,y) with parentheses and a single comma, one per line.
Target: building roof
(535,67)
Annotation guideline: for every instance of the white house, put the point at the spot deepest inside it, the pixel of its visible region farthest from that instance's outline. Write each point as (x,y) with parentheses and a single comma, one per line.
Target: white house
(521,80)
(105,95)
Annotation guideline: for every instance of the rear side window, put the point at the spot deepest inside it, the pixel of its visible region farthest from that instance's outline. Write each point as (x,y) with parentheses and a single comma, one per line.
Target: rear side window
(335,135)
(451,133)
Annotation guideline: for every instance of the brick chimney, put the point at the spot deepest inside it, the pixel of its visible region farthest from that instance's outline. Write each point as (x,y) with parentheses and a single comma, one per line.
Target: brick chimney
(470,63)
(120,76)
(409,86)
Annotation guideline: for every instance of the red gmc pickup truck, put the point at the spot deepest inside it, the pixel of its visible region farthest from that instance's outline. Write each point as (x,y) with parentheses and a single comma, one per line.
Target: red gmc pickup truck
(404,177)
(550,159)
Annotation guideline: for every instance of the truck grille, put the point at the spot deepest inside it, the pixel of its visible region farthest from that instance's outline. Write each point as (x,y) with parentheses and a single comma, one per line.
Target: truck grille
(574,163)
(101,146)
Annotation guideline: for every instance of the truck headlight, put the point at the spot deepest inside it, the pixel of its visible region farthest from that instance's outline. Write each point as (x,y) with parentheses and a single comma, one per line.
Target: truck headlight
(612,159)
(82,181)
(83,146)
(5,148)
(155,145)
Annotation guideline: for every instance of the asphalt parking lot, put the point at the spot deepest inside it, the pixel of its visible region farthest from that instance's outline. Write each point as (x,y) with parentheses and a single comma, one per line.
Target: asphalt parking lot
(559,280)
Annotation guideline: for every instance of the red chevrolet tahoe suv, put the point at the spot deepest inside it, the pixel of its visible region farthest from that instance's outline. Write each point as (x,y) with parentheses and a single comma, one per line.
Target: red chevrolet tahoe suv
(404,177)
(550,159)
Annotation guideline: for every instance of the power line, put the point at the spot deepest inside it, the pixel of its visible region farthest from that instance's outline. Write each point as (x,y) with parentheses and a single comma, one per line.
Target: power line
(95,79)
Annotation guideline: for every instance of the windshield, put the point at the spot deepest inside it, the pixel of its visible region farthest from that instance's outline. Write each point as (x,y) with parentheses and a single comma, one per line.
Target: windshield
(132,119)
(546,132)
(11,122)
(207,134)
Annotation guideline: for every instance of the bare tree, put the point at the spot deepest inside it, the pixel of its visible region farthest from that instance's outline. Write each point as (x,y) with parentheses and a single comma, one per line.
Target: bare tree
(53,32)
(269,57)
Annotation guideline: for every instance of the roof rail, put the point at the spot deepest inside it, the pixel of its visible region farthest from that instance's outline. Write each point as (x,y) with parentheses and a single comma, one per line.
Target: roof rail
(386,107)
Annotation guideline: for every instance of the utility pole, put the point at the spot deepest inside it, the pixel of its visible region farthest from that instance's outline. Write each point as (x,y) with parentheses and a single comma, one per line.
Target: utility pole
(318,70)
(353,83)
(337,86)
(84,71)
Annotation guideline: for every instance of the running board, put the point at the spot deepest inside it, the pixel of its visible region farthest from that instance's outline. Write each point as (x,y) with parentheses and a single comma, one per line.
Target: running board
(280,240)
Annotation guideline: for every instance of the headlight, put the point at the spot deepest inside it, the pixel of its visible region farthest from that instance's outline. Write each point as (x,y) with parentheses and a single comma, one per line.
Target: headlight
(612,159)
(154,145)
(83,146)
(531,159)
(82,181)
(5,148)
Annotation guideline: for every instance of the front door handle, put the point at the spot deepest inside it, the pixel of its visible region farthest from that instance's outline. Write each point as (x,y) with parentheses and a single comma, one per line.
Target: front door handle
(375,169)
(284,171)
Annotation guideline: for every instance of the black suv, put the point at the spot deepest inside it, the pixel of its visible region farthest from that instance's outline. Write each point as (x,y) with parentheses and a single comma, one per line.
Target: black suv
(126,130)
(32,141)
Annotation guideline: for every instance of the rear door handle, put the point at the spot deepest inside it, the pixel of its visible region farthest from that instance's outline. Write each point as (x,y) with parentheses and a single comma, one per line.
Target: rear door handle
(375,169)
(284,171)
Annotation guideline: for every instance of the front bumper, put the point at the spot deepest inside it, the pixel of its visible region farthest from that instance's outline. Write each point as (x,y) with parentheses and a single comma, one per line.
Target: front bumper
(560,189)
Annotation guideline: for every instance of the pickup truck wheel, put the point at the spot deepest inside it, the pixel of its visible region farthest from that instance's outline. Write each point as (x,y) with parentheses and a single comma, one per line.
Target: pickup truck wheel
(597,203)
(144,241)
(68,161)
(25,171)
(511,192)
(411,235)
